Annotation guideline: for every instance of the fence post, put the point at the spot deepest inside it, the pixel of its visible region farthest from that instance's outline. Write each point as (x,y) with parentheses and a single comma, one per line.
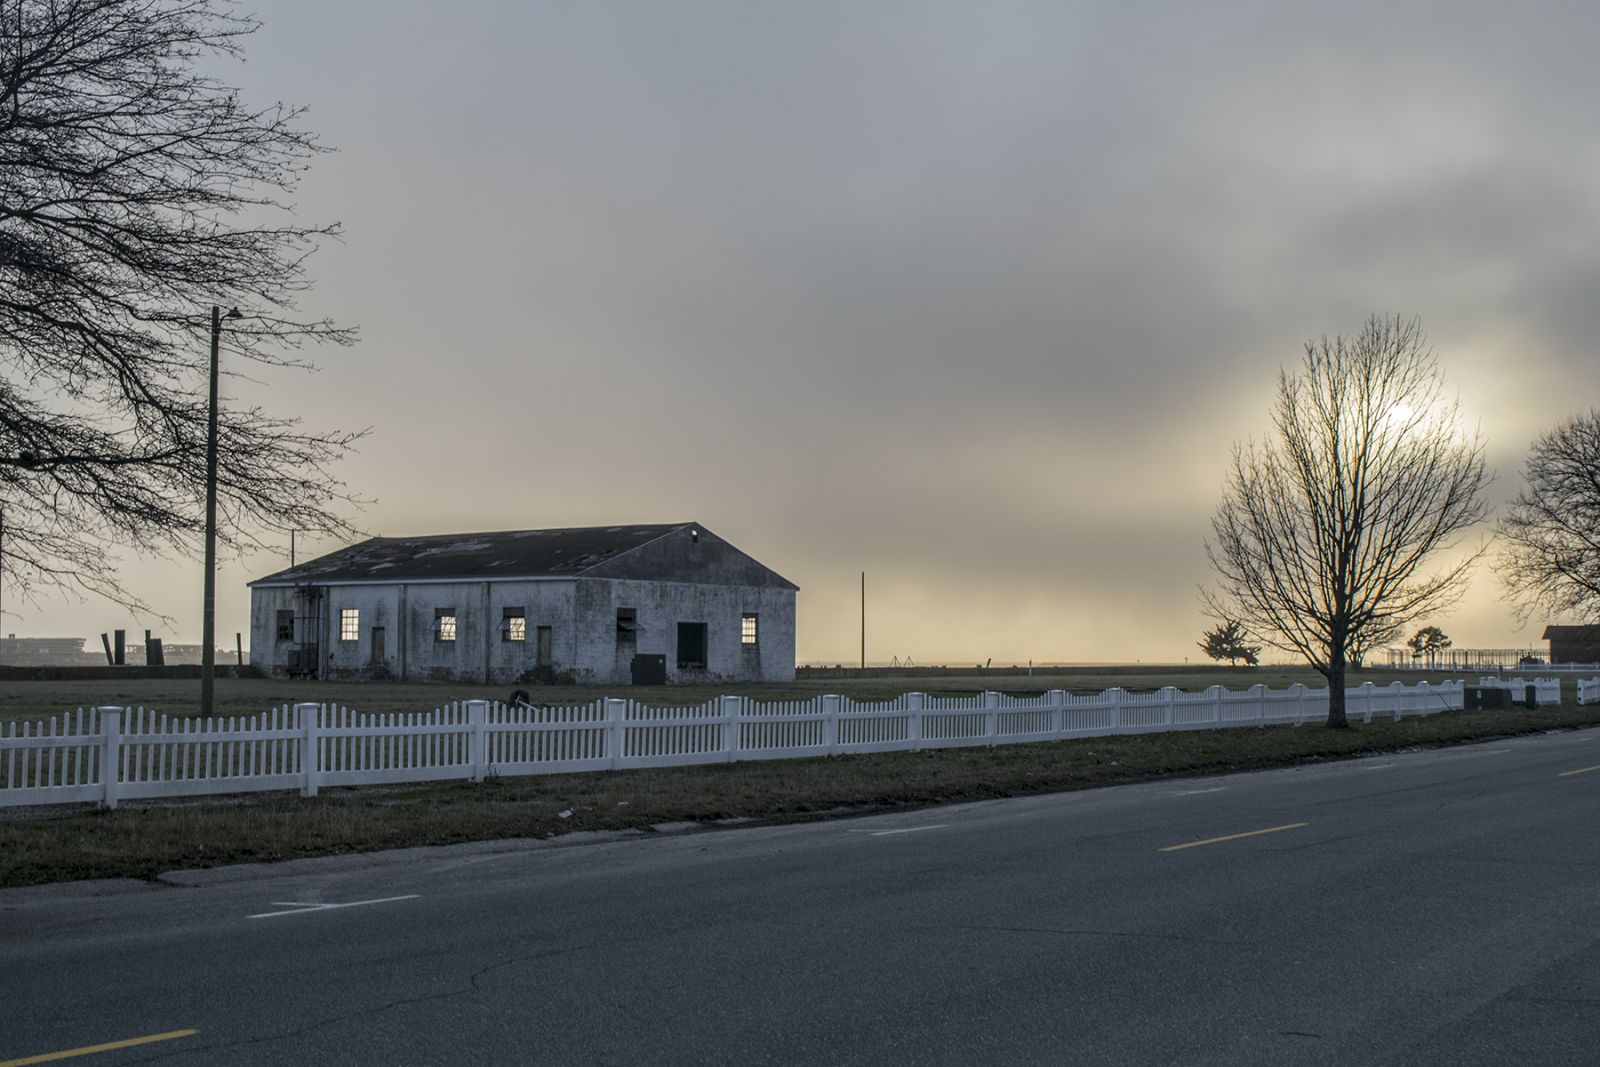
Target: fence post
(477,739)
(1216,692)
(991,716)
(1261,702)
(915,702)
(1366,691)
(1299,691)
(1115,693)
(616,716)
(1398,691)
(310,749)
(1058,708)
(830,722)
(730,727)
(110,754)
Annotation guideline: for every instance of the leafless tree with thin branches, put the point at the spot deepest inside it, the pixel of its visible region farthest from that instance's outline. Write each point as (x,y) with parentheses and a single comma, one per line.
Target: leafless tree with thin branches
(1550,534)
(135,193)
(1322,537)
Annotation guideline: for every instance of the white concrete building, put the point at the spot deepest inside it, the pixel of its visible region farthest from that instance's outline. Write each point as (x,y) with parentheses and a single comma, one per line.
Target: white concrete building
(598,605)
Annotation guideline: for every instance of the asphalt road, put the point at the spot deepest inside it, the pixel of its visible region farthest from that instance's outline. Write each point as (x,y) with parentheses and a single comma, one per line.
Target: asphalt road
(1437,907)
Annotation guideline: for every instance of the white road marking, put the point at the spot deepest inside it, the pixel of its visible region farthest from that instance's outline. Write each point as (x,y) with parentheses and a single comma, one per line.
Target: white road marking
(908,830)
(300,908)
(1198,792)
(1375,766)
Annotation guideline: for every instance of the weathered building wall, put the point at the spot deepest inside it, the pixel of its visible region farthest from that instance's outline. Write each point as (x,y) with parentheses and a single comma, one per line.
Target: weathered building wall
(581,614)
(1582,646)
(545,604)
(482,651)
(379,608)
(603,658)
(412,648)
(267,652)
(263,616)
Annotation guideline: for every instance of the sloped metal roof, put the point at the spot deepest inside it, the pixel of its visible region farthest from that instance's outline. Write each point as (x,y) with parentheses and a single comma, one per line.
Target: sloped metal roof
(1583,632)
(474,556)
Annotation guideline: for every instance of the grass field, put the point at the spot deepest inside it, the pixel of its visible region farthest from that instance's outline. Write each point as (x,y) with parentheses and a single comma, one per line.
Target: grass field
(140,840)
(247,696)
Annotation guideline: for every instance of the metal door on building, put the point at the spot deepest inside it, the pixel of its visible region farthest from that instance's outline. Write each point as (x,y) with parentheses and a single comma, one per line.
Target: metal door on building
(307,661)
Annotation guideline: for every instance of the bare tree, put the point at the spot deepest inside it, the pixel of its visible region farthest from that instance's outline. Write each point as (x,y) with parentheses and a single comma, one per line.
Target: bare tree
(1324,528)
(1551,532)
(135,193)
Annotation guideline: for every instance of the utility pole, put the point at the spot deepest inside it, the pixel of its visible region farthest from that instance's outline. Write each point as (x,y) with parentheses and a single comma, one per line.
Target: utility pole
(863,620)
(208,628)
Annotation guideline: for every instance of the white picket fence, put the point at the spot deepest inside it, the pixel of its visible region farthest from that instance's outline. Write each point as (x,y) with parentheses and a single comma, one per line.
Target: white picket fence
(1589,690)
(308,746)
(1546,690)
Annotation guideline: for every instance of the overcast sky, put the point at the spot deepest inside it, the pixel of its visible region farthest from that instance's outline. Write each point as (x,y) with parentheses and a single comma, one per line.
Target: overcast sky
(972,297)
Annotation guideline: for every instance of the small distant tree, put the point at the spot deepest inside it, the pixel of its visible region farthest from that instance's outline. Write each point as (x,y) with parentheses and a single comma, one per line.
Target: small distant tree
(1551,533)
(1427,643)
(1229,641)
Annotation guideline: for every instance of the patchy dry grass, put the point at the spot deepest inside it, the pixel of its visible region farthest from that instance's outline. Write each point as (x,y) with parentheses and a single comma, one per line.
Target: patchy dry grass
(47,845)
(248,696)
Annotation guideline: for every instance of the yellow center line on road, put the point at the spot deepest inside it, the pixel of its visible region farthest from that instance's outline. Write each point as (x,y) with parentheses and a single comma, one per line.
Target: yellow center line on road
(90,1050)
(1207,841)
(1563,774)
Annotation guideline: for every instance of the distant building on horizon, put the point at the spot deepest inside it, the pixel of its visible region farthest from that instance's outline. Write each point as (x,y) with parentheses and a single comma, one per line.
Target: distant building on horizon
(45,652)
(79,652)
(592,605)
(1573,644)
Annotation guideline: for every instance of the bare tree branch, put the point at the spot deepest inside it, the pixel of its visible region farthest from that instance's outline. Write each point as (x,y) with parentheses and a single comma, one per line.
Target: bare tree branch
(135,192)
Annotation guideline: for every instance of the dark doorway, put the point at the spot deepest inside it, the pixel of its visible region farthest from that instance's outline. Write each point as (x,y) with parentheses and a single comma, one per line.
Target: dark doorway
(377,646)
(691,645)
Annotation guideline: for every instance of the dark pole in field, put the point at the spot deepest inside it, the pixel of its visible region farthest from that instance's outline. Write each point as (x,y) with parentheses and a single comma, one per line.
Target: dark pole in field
(208,628)
(863,620)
